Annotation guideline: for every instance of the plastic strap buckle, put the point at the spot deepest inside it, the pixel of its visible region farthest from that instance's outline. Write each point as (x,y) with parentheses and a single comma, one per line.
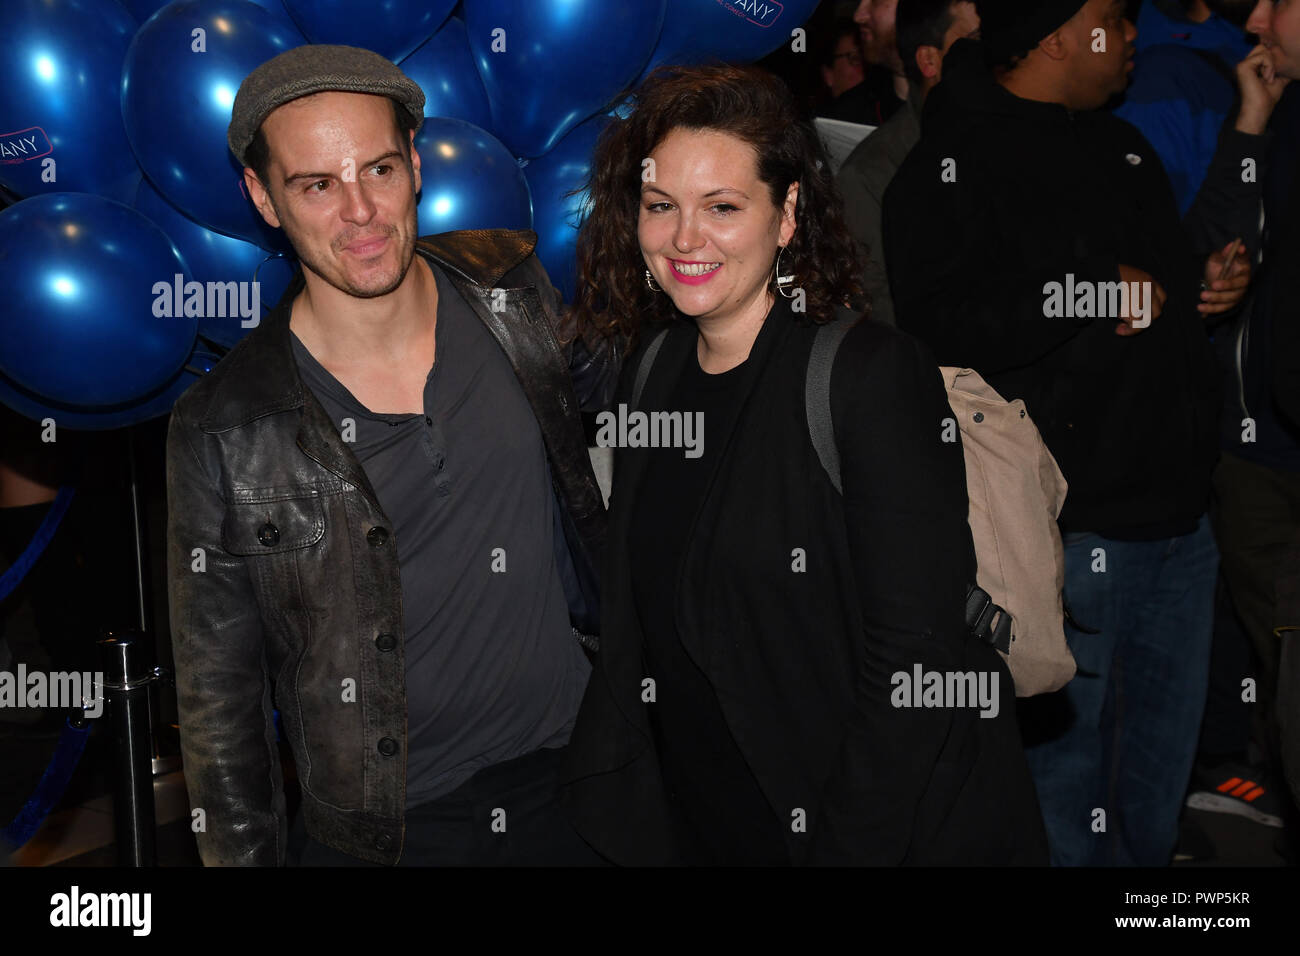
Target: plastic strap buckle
(987,621)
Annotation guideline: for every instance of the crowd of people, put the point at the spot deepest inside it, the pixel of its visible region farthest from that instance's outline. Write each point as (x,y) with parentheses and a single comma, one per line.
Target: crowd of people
(1181,464)
(405,551)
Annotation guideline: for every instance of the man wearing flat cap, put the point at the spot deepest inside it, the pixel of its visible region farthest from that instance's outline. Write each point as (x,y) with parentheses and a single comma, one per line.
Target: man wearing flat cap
(1048,203)
(383,521)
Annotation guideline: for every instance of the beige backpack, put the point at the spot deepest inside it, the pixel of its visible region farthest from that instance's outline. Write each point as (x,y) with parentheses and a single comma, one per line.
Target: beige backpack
(1016,491)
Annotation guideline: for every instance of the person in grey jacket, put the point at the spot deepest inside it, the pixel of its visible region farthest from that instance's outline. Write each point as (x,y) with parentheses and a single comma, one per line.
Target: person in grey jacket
(382,517)
(926,29)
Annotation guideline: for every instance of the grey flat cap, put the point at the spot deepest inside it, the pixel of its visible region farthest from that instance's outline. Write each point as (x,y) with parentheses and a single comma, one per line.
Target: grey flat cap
(316,68)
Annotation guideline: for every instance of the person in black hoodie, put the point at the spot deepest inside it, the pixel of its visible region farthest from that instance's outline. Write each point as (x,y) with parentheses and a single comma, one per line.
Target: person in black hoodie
(1047,203)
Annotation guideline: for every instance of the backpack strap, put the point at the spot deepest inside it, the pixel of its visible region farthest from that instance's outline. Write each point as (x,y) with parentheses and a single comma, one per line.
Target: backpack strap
(985,620)
(817,391)
(643,368)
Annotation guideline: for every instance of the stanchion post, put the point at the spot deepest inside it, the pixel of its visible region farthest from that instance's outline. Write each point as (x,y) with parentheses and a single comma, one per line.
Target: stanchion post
(127,676)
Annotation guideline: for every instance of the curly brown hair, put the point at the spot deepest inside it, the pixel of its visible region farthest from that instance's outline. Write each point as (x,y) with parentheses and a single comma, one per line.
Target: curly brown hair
(612,298)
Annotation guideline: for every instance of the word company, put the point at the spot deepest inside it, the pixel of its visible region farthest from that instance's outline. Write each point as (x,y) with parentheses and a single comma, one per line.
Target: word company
(764,13)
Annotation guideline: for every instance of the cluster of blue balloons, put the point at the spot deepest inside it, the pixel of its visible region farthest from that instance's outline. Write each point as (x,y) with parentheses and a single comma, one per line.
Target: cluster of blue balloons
(126,198)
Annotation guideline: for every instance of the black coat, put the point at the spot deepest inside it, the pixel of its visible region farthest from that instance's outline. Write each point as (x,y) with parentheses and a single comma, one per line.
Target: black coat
(1041,193)
(1277,285)
(801,662)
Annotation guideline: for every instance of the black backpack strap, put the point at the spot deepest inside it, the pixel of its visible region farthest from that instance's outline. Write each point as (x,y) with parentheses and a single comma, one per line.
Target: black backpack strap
(817,391)
(643,369)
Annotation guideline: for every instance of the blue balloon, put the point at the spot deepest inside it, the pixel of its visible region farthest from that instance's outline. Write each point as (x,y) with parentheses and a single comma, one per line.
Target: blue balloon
(211,257)
(177,103)
(470,180)
(390,27)
(734,31)
(142,10)
(549,64)
(154,405)
(444,69)
(556,215)
(60,64)
(82,325)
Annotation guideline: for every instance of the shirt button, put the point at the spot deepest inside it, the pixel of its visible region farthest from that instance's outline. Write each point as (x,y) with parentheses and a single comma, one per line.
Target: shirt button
(268,534)
(385,642)
(387,746)
(383,841)
(377,536)
(428,420)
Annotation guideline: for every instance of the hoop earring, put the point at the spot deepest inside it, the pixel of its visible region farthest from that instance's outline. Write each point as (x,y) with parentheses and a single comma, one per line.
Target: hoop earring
(650,282)
(784,282)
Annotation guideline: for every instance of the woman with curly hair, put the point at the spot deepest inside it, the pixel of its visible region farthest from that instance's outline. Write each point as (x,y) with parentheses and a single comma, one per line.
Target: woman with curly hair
(745,706)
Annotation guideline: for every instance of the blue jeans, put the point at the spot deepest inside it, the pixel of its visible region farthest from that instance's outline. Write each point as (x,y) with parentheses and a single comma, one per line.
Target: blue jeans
(1121,736)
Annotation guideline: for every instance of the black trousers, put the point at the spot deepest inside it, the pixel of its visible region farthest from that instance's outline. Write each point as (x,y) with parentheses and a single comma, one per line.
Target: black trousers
(1256,515)
(507,814)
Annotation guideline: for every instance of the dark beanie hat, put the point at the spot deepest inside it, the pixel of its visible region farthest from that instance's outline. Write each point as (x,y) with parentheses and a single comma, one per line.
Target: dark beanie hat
(1013,27)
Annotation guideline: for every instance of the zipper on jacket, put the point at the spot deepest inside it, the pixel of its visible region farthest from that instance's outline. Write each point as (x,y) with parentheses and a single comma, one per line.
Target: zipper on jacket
(1240,347)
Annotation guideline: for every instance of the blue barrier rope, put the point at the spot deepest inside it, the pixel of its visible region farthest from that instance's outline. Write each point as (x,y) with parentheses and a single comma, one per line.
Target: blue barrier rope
(51,788)
(72,741)
(49,524)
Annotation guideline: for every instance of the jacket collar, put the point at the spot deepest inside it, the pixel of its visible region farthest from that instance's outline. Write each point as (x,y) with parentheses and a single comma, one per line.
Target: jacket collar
(915,104)
(260,375)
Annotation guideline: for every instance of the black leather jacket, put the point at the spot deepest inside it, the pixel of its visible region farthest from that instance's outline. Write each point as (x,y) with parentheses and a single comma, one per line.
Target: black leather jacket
(283,577)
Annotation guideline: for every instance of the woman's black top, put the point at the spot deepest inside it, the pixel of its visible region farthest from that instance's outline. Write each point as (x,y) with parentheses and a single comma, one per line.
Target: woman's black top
(720,814)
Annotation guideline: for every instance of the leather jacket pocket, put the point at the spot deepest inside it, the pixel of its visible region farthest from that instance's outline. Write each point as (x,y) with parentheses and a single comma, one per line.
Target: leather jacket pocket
(284,523)
(302,571)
